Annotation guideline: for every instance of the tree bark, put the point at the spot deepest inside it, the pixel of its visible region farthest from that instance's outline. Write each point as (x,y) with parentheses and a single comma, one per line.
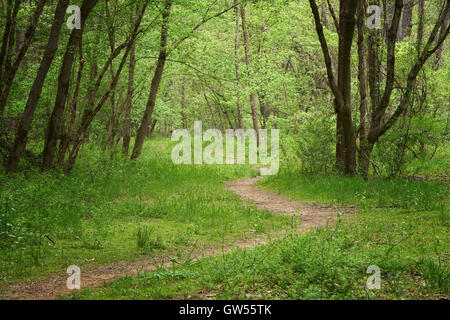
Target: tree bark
(420,27)
(129,102)
(348,22)
(247,61)
(362,81)
(379,126)
(54,125)
(154,88)
(406,25)
(323,9)
(10,72)
(236,64)
(68,137)
(36,89)
(440,50)
(89,114)
(11,14)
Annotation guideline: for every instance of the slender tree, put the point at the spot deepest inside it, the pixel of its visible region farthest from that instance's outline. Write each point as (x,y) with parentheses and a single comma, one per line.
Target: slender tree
(247,61)
(154,88)
(11,68)
(54,127)
(36,89)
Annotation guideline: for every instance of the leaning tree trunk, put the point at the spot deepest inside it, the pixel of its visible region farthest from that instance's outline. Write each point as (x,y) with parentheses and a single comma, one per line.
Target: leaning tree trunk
(154,88)
(11,71)
(56,118)
(67,138)
(90,114)
(11,14)
(440,50)
(36,89)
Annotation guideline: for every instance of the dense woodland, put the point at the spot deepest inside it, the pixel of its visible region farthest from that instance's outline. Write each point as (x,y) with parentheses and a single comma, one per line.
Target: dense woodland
(87,112)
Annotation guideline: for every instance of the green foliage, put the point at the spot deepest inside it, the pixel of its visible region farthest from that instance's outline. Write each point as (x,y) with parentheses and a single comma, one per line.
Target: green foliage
(334,189)
(146,239)
(436,275)
(117,209)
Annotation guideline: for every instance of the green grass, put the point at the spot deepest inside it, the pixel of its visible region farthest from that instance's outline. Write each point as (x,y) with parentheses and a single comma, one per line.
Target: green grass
(410,249)
(402,228)
(97,215)
(336,189)
(109,211)
(328,264)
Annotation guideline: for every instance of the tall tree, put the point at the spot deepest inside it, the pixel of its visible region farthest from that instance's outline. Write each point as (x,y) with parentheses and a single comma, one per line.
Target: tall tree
(380,123)
(341,89)
(129,101)
(362,81)
(89,114)
(54,127)
(10,69)
(154,88)
(236,64)
(36,89)
(247,61)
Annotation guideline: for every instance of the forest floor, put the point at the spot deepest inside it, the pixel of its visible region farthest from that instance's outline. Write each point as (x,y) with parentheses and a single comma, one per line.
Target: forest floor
(154,230)
(310,215)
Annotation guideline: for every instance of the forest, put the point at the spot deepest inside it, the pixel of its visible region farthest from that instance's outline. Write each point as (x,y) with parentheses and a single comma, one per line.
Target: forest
(224,149)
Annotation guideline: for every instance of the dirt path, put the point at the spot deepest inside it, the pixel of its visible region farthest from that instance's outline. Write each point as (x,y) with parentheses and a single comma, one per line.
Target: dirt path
(54,286)
(311,216)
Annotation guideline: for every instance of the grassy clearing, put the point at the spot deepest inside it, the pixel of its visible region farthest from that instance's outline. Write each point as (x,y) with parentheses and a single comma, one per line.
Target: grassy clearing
(335,189)
(110,211)
(407,239)
(120,210)
(411,250)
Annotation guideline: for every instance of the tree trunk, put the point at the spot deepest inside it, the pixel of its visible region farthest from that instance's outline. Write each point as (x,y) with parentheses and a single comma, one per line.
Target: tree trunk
(129,102)
(11,14)
(440,50)
(247,60)
(109,141)
(183,107)
(363,100)
(420,27)
(10,72)
(151,128)
(340,143)
(36,89)
(68,137)
(323,8)
(236,63)
(406,25)
(89,114)
(54,124)
(154,88)
(348,10)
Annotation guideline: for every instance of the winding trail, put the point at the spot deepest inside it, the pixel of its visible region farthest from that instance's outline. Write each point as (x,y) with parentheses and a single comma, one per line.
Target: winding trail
(311,215)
